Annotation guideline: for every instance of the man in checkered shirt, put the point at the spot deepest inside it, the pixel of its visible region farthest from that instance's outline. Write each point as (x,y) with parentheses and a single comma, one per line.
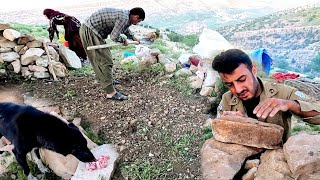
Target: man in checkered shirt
(94,31)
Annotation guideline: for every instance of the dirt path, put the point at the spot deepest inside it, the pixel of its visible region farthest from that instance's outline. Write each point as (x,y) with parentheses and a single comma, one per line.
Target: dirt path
(158,132)
(10,93)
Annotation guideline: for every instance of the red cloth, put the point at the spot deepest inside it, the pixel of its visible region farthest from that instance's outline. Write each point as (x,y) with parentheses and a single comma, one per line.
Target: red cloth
(280,77)
(194,60)
(66,44)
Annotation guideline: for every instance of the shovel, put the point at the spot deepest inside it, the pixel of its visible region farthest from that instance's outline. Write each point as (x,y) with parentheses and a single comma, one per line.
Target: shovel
(110,45)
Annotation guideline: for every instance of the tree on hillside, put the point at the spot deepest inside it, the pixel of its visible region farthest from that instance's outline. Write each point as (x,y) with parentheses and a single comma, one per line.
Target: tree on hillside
(282,64)
(315,63)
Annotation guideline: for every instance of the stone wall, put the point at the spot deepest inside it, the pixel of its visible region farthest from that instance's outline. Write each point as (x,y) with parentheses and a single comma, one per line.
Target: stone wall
(33,58)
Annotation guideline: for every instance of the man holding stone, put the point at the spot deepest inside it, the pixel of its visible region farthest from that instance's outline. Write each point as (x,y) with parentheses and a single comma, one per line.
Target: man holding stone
(249,96)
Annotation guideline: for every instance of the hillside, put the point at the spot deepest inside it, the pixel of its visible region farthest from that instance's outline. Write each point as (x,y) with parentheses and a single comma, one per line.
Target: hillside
(288,35)
(297,17)
(184,16)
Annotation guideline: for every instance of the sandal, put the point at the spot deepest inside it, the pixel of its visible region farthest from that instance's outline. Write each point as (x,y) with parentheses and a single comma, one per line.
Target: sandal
(119,97)
(115,82)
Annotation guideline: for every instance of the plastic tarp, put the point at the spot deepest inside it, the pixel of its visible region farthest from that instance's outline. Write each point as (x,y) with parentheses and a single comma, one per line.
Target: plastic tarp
(211,43)
(262,56)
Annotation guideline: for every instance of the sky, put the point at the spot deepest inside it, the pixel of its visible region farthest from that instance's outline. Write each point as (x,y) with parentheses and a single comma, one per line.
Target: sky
(277,4)
(13,5)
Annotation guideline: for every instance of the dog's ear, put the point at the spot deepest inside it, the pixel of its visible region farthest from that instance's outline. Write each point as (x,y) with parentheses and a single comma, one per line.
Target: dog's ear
(72,125)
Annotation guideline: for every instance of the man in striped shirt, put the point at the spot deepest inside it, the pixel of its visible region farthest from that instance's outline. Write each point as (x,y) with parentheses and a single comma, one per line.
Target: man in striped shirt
(94,31)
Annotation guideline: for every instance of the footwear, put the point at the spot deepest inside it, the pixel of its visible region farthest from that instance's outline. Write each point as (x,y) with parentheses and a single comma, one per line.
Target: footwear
(115,82)
(119,97)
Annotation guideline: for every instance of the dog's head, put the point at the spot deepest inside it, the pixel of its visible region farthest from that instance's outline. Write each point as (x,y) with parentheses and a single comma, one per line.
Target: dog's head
(78,145)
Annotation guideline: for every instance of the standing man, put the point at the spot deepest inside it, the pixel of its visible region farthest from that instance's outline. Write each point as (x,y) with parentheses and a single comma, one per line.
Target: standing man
(249,96)
(94,31)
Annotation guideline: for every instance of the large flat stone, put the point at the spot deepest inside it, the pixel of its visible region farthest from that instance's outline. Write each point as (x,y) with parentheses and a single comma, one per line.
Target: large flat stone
(223,161)
(273,166)
(105,173)
(302,152)
(247,131)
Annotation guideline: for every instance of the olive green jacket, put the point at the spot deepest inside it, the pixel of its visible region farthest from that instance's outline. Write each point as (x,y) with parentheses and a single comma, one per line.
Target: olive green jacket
(231,102)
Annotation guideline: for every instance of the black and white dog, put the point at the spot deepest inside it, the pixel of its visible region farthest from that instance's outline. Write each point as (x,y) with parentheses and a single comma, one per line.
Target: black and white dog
(27,128)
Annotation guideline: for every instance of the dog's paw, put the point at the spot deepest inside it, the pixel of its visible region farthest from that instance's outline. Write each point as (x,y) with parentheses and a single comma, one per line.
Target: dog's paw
(37,159)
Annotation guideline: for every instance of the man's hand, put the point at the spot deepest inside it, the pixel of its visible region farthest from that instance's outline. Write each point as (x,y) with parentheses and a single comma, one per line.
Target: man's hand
(271,106)
(136,39)
(233,113)
(125,42)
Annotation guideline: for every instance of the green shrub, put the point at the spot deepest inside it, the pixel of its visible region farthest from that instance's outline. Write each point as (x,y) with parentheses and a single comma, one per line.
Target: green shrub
(35,30)
(315,63)
(189,40)
(86,70)
(182,84)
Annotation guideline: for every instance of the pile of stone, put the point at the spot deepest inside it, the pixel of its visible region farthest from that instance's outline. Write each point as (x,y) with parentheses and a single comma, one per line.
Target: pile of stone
(233,152)
(201,76)
(33,58)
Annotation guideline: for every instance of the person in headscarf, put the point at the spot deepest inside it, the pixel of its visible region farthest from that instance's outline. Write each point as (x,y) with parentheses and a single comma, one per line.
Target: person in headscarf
(71,27)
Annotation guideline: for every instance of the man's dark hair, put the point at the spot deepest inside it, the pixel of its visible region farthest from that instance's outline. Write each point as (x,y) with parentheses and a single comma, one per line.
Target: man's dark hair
(138,11)
(228,61)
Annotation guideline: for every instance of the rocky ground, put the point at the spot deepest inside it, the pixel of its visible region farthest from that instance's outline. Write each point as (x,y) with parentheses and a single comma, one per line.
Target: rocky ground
(158,131)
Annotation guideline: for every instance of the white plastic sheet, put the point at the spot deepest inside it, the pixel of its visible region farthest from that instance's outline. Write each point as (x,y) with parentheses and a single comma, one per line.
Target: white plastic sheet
(211,43)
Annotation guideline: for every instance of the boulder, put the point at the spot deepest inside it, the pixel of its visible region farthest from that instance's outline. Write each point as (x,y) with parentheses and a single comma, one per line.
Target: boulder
(273,166)
(223,161)
(302,153)
(11,34)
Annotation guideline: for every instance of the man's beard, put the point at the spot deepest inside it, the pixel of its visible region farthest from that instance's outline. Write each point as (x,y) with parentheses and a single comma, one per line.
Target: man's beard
(254,90)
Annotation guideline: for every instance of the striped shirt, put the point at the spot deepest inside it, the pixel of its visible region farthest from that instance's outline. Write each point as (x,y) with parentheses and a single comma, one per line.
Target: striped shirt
(110,21)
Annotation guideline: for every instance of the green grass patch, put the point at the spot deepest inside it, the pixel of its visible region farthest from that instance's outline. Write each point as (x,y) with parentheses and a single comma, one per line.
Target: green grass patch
(3,65)
(182,146)
(119,50)
(86,70)
(207,133)
(161,45)
(35,30)
(315,127)
(15,168)
(130,67)
(154,69)
(301,128)
(176,54)
(178,147)
(70,94)
(189,40)
(182,84)
(145,170)
(99,140)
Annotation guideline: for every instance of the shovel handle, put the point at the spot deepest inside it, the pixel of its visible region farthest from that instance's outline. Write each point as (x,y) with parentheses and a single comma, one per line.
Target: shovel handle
(110,45)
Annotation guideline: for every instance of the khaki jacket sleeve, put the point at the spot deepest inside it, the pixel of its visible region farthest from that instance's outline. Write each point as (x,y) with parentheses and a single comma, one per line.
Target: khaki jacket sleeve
(224,103)
(306,104)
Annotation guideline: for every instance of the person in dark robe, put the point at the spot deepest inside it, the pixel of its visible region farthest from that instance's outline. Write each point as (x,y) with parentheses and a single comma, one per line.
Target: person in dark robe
(71,27)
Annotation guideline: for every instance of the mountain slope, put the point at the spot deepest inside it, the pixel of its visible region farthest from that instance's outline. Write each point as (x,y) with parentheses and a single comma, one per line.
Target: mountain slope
(174,15)
(292,35)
